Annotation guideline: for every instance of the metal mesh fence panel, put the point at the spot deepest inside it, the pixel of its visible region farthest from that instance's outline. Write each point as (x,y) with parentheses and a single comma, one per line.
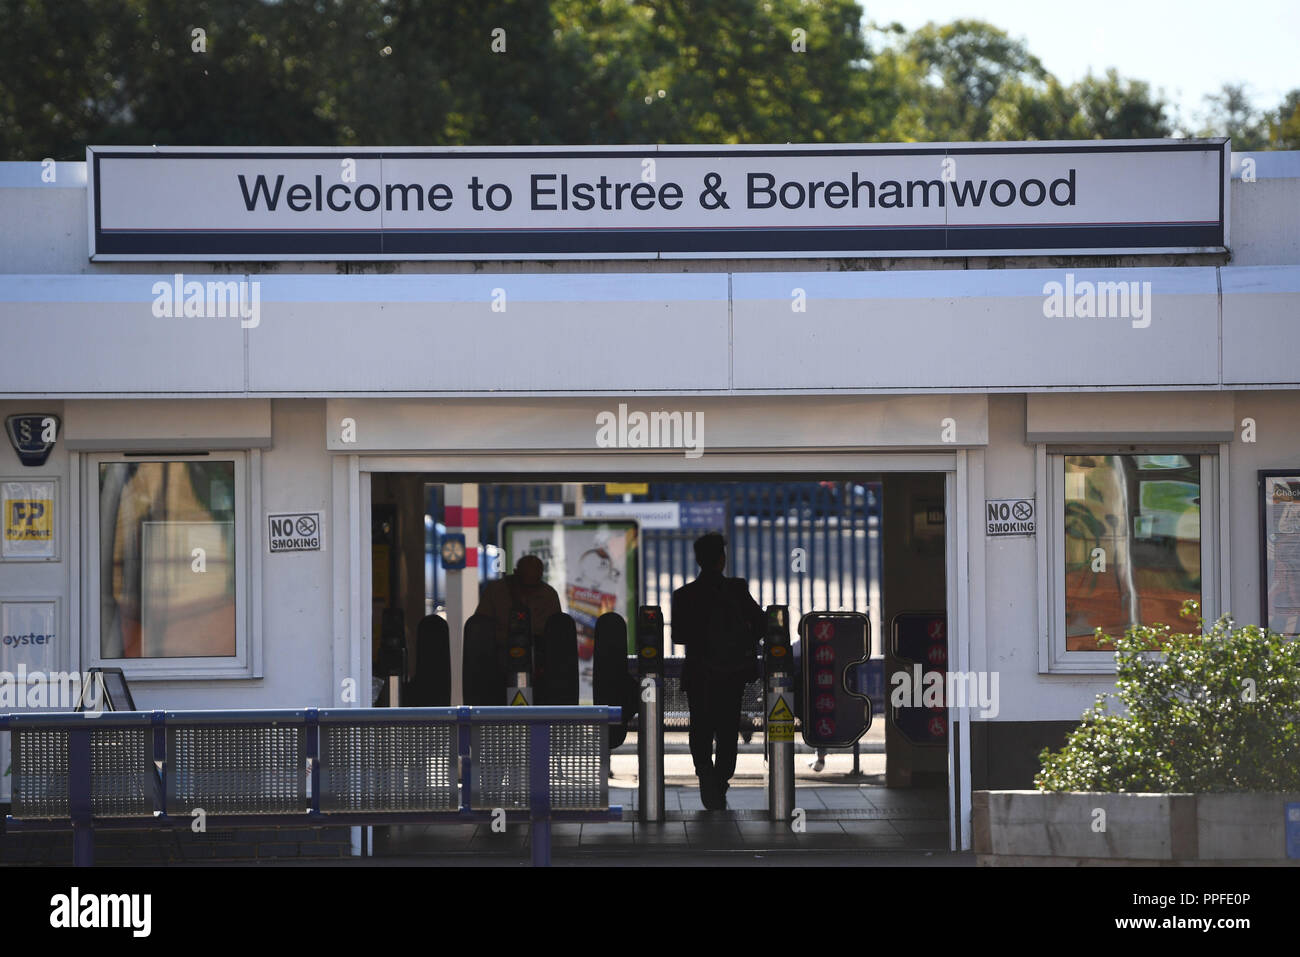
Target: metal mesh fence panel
(236,769)
(40,773)
(579,767)
(388,769)
(121,769)
(121,772)
(502,755)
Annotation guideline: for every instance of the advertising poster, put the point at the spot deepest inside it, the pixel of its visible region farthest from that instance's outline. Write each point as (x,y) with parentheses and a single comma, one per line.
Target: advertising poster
(28,637)
(27,509)
(592,565)
(1280,518)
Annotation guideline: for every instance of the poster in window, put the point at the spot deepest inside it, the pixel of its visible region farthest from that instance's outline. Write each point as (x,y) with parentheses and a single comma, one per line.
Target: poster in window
(1280,538)
(592,565)
(27,509)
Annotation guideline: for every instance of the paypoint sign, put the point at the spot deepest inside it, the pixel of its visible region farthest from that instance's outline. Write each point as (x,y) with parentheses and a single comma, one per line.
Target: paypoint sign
(474,203)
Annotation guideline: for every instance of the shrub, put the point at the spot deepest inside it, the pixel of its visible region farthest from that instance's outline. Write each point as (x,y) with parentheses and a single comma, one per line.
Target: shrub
(1214,710)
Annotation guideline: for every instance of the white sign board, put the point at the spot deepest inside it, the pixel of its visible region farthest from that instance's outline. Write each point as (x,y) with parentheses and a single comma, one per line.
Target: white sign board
(661,515)
(476,203)
(295,532)
(1009,516)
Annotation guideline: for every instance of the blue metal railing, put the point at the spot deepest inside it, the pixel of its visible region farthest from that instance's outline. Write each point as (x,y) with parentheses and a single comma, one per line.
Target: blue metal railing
(88,772)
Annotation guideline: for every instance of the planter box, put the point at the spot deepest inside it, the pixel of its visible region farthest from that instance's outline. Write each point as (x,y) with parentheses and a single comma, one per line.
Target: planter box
(1072,828)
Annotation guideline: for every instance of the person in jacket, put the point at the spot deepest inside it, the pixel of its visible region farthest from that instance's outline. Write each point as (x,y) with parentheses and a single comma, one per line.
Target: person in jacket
(524,587)
(720,624)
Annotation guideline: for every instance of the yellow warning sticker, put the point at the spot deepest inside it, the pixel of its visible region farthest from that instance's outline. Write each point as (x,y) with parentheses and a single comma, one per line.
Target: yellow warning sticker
(627,488)
(780,719)
(519,698)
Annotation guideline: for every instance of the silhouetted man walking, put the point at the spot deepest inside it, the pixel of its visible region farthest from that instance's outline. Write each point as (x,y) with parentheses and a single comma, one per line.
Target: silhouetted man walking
(720,625)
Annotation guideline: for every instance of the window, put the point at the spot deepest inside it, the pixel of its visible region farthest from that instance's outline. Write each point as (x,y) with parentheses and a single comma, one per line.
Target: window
(1134,535)
(168,583)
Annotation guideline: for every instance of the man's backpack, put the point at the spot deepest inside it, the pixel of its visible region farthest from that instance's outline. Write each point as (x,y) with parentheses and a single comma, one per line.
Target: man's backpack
(729,643)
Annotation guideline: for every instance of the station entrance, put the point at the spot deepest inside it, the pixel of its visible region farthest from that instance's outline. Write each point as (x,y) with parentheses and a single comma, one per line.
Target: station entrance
(875,545)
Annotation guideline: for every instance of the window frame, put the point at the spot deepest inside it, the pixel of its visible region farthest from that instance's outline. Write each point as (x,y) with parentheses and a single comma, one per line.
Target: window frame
(1053,657)
(246,662)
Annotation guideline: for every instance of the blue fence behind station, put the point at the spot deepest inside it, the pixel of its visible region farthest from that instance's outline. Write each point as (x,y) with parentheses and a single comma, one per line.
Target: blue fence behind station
(835,523)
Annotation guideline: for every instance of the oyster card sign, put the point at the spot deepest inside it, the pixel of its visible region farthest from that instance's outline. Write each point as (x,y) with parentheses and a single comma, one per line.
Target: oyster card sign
(657,202)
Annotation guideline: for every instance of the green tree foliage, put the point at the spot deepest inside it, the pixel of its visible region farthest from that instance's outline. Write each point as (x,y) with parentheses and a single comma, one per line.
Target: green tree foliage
(1231,113)
(953,74)
(1213,710)
(345,72)
(1105,107)
(1284,125)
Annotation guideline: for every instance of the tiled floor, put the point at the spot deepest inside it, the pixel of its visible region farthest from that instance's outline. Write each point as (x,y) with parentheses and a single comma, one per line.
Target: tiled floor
(835,818)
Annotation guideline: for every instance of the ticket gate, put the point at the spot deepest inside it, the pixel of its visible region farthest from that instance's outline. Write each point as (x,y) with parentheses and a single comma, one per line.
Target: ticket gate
(779,683)
(392,654)
(431,685)
(528,670)
(645,696)
(650,739)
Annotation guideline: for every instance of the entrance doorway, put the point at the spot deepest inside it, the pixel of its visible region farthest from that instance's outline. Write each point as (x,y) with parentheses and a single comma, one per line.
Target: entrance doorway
(872,542)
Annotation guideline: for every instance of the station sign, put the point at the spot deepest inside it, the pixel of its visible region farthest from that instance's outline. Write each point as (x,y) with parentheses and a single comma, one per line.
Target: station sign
(835,648)
(655,202)
(920,640)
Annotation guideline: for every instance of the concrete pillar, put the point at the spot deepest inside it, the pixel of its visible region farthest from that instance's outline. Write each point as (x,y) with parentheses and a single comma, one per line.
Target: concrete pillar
(461,516)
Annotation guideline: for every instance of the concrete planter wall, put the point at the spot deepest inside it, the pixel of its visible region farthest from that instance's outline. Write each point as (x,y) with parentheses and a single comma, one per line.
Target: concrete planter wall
(1064,828)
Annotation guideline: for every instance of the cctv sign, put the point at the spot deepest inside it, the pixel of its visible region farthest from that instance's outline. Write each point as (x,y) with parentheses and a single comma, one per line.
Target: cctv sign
(295,532)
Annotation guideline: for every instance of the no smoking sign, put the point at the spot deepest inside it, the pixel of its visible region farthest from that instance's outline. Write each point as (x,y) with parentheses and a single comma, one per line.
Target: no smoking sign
(1009,516)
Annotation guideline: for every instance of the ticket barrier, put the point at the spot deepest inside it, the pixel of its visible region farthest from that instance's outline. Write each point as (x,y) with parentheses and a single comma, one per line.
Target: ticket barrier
(519,657)
(778,676)
(650,738)
(481,679)
(392,654)
(527,670)
(431,685)
(611,683)
(555,662)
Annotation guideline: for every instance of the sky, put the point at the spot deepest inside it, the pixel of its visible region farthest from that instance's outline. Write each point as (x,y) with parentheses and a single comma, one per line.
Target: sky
(1188,47)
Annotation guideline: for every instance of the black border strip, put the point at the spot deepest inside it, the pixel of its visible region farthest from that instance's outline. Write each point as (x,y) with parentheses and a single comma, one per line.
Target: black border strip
(542,243)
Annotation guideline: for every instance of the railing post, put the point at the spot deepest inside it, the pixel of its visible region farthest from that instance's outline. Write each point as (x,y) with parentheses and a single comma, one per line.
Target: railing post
(83,833)
(463,746)
(311,747)
(539,788)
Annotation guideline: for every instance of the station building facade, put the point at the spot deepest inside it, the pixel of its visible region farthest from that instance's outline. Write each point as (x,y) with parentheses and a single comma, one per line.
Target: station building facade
(1103,400)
